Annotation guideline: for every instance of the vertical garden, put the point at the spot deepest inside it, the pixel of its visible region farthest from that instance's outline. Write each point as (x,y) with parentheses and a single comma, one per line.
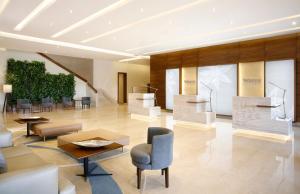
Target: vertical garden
(30,80)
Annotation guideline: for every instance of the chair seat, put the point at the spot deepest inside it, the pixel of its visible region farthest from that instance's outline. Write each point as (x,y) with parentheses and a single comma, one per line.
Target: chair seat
(141,153)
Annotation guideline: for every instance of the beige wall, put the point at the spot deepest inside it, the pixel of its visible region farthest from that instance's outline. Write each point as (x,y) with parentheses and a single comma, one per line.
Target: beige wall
(189,80)
(106,76)
(81,66)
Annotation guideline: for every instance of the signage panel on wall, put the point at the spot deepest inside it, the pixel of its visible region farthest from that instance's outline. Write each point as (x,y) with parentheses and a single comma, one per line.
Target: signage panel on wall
(189,81)
(251,79)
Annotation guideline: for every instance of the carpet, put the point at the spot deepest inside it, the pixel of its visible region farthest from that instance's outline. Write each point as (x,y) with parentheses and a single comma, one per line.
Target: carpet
(99,184)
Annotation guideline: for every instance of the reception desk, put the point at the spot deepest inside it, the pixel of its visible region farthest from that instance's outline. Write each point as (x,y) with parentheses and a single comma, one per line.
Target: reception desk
(259,114)
(191,108)
(143,104)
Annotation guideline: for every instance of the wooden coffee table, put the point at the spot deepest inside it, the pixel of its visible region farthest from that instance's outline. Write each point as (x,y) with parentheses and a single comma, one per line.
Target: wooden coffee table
(84,153)
(30,122)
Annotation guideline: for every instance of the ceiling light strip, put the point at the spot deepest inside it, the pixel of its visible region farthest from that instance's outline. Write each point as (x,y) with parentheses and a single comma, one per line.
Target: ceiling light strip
(42,6)
(3,5)
(106,10)
(224,31)
(208,43)
(144,20)
(134,58)
(63,44)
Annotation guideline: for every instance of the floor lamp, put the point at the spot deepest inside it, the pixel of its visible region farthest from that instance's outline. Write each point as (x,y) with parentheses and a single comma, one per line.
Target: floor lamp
(7,88)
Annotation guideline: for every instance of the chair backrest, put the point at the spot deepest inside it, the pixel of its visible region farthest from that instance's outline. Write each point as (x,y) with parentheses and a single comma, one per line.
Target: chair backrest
(162,146)
(47,100)
(86,100)
(23,101)
(66,99)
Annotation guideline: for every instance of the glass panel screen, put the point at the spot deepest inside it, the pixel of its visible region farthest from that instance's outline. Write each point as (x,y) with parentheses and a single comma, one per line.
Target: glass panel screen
(172,86)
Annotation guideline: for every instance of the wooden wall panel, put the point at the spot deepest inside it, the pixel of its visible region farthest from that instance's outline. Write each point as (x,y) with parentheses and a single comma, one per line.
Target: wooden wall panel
(215,55)
(280,48)
(190,58)
(274,48)
(173,61)
(252,51)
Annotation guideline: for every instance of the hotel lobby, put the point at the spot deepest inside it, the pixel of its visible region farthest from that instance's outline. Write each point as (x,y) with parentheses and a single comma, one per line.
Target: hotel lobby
(152,97)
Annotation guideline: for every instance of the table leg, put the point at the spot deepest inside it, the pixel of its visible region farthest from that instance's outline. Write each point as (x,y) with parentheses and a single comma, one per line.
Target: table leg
(86,172)
(28,129)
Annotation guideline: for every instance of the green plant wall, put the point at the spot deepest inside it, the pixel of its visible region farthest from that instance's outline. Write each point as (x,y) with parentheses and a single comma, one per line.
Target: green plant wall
(30,80)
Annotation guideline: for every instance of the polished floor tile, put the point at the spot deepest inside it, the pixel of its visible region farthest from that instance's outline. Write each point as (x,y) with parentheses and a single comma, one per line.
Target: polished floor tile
(211,161)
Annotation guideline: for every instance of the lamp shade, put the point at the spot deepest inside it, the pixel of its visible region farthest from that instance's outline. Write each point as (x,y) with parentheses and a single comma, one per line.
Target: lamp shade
(7,88)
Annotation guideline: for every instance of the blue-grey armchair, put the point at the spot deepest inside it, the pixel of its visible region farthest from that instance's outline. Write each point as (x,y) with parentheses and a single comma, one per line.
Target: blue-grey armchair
(86,101)
(67,102)
(47,103)
(24,104)
(156,154)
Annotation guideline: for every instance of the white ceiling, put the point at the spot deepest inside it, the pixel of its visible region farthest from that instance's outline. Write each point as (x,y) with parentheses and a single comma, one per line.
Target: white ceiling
(143,27)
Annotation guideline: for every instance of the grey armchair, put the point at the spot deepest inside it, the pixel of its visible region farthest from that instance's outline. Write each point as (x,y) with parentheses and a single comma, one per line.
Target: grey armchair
(67,102)
(24,104)
(47,103)
(156,154)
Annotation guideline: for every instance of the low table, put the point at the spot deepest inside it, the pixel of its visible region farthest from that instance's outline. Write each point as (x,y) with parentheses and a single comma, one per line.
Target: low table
(30,122)
(84,153)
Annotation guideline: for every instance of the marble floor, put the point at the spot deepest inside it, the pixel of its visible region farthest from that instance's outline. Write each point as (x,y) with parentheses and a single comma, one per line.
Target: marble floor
(209,161)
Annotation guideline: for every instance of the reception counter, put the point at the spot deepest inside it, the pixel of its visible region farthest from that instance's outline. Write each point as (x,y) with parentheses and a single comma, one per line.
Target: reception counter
(143,104)
(259,114)
(191,108)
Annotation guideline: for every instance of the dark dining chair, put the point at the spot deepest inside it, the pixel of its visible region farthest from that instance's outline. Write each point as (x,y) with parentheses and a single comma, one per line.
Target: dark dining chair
(156,154)
(47,103)
(86,101)
(24,104)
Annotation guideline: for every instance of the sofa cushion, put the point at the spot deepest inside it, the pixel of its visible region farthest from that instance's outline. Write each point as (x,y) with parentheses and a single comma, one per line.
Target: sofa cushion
(24,161)
(141,153)
(15,151)
(3,166)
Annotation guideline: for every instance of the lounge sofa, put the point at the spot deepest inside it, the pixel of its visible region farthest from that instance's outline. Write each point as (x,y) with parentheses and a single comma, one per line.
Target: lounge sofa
(22,171)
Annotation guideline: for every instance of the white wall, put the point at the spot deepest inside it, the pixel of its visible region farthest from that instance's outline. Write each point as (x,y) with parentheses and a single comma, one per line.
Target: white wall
(106,76)
(80,86)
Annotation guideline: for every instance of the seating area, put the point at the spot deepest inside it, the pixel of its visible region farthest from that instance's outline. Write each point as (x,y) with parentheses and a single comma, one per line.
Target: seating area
(150,97)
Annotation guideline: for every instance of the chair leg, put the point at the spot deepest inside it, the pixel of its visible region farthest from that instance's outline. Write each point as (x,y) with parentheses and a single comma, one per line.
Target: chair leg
(139,174)
(167,177)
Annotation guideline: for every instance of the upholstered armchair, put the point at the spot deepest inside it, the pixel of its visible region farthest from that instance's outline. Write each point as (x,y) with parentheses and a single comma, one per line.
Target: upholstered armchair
(47,103)
(86,101)
(24,104)
(67,102)
(156,154)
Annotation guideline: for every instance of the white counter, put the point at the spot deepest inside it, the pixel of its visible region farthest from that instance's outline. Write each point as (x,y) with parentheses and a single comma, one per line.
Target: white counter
(143,104)
(191,108)
(256,113)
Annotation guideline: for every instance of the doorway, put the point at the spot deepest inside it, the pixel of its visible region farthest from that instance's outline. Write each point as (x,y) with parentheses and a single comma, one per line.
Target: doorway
(122,87)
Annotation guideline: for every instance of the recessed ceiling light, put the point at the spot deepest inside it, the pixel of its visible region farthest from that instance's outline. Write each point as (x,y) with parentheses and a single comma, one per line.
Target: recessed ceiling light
(177,9)
(91,17)
(63,44)
(294,23)
(3,5)
(213,10)
(142,10)
(42,6)
(70,11)
(109,22)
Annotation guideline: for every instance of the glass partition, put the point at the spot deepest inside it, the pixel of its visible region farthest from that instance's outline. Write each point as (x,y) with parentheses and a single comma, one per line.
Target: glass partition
(280,86)
(172,86)
(218,83)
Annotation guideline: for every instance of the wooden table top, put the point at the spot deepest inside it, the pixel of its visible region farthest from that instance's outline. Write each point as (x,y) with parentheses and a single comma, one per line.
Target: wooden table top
(81,152)
(28,120)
